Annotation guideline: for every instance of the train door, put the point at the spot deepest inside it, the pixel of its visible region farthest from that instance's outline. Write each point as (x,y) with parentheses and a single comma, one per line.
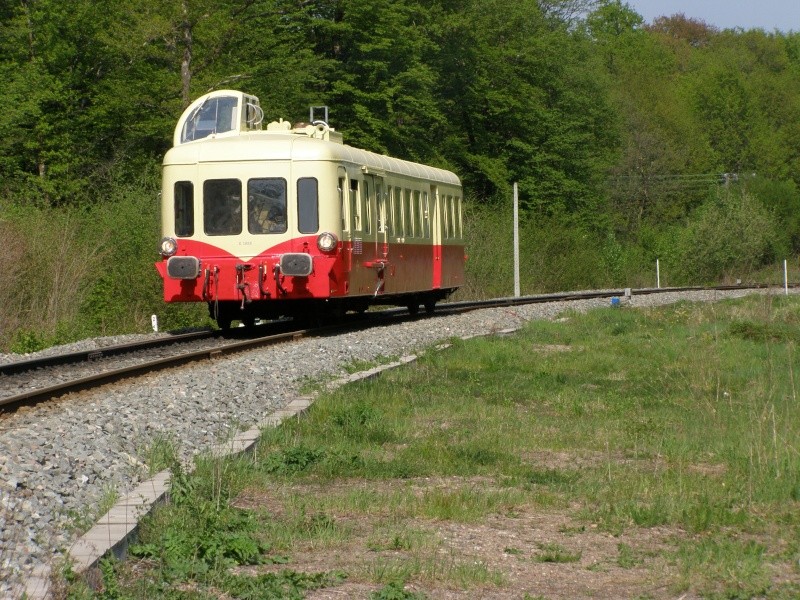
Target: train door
(345,216)
(381,242)
(436,213)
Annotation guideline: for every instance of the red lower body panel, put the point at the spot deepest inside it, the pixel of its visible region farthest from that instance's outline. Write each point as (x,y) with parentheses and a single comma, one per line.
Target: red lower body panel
(368,272)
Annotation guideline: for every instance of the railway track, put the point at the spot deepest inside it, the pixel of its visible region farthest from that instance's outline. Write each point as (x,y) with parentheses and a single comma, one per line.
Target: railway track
(44,378)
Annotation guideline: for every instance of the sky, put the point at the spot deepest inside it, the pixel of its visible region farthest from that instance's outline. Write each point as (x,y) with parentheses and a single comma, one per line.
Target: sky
(783,15)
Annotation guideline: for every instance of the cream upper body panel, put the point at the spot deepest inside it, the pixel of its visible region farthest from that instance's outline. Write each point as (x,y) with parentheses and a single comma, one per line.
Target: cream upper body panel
(270,146)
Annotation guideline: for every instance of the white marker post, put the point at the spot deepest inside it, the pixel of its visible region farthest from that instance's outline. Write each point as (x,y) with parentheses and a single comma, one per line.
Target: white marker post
(658,275)
(154,321)
(785,277)
(516,241)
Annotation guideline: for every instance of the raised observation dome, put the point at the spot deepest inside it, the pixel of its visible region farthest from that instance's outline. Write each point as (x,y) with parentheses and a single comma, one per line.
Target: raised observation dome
(223,112)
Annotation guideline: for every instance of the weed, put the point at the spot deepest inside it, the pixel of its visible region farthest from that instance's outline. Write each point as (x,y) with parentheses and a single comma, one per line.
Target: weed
(627,557)
(291,460)
(554,553)
(161,453)
(395,590)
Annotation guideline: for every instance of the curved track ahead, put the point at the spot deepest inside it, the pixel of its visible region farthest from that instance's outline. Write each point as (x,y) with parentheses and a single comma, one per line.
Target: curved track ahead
(113,363)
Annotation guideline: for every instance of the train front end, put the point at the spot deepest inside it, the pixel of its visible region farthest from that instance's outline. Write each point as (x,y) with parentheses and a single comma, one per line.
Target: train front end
(245,228)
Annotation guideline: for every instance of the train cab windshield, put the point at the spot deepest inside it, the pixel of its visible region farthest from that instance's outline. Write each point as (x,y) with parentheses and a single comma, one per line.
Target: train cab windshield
(220,112)
(215,115)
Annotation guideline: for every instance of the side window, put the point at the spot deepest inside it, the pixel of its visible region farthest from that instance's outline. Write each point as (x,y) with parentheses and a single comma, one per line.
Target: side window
(451,230)
(184,208)
(380,203)
(459,218)
(215,115)
(451,207)
(426,215)
(397,209)
(222,207)
(355,205)
(266,205)
(342,205)
(418,229)
(408,224)
(446,216)
(366,211)
(307,205)
(389,215)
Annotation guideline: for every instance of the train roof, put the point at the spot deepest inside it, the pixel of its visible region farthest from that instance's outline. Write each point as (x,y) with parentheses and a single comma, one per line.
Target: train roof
(233,133)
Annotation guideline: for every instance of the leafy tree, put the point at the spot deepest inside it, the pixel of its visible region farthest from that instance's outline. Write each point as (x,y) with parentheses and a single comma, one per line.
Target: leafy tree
(527,104)
(48,66)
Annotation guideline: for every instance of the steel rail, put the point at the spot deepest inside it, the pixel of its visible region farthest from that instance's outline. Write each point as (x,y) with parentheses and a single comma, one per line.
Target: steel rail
(92,381)
(68,358)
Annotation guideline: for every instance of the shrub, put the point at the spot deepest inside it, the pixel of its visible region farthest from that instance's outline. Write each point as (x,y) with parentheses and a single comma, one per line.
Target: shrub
(732,235)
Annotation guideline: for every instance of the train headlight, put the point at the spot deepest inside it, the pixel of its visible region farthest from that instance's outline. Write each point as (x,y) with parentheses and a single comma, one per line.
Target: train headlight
(326,241)
(168,246)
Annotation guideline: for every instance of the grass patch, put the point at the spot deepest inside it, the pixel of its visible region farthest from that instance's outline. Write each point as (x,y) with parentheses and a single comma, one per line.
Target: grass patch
(674,430)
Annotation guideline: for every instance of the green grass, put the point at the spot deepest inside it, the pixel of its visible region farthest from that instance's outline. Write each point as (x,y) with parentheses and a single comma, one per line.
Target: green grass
(682,419)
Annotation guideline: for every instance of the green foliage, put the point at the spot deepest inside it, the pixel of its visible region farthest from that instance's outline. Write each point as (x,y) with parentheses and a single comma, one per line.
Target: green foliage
(395,590)
(733,235)
(111,588)
(294,459)
(554,553)
(25,342)
(285,585)
(204,535)
(725,567)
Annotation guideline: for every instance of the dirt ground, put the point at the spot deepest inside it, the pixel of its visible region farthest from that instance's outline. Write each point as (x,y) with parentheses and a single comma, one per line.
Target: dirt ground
(513,548)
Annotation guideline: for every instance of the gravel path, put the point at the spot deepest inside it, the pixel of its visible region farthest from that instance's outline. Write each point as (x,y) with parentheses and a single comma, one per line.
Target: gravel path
(59,460)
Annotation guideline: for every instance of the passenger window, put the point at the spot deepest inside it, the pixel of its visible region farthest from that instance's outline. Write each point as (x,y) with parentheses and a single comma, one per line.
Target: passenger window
(397,207)
(367,208)
(389,217)
(355,205)
(380,202)
(222,207)
(266,205)
(418,230)
(446,217)
(459,218)
(451,207)
(342,205)
(307,205)
(184,208)
(426,216)
(408,224)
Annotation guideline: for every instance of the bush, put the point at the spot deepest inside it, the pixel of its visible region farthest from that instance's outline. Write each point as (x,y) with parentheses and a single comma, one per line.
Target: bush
(729,237)
(50,258)
(74,272)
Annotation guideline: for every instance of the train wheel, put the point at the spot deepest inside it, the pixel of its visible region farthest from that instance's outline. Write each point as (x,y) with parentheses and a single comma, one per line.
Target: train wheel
(413,308)
(430,305)
(224,322)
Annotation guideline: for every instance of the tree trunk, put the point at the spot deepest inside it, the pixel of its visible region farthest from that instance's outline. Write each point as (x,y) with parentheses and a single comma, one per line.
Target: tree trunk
(186,62)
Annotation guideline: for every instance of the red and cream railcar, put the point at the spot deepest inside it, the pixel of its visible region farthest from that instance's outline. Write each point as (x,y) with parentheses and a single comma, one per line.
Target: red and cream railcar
(289,221)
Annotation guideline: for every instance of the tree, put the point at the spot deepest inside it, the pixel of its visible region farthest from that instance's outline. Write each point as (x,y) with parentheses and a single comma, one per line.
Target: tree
(528,106)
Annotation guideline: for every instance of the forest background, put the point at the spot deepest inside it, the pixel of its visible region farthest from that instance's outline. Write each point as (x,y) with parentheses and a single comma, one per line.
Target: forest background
(630,142)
